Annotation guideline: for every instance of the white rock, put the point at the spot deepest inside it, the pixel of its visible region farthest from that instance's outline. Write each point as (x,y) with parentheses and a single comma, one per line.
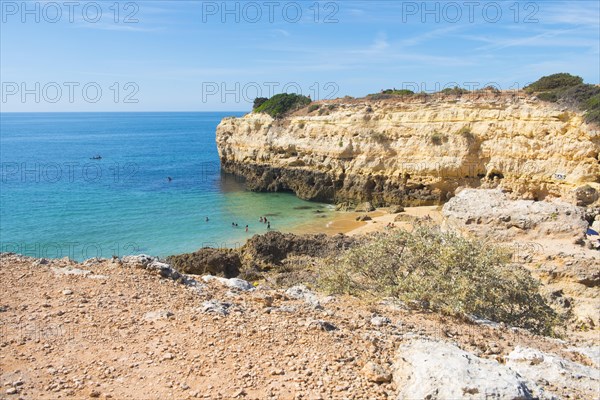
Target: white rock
(593,353)
(216,307)
(542,368)
(234,283)
(440,370)
(70,271)
(156,315)
(140,260)
(301,292)
(492,214)
(380,321)
(376,373)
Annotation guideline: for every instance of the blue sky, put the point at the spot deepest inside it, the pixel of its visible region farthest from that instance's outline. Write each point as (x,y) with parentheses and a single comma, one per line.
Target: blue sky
(193,56)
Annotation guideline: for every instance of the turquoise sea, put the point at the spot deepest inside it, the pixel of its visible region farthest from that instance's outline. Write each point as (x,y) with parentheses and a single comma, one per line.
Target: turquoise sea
(57,201)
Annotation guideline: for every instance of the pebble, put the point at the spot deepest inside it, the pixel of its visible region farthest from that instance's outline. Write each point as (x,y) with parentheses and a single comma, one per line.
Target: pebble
(380,321)
(376,373)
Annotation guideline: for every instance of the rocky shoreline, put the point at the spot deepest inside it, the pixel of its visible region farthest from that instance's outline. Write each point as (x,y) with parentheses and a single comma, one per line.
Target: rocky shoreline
(349,190)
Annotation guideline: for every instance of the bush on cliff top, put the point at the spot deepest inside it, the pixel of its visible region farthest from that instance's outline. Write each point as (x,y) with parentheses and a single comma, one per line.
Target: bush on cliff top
(258,102)
(443,272)
(562,80)
(454,91)
(281,104)
(569,90)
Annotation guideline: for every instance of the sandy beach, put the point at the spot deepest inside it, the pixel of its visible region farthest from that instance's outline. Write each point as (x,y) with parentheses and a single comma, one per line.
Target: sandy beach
(345,221)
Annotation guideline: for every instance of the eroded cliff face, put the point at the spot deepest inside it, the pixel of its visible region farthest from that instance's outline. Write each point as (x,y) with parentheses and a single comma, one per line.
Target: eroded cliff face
(415,151)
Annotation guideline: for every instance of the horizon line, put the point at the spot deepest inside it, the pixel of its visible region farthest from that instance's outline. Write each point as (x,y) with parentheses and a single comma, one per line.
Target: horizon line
(124,112)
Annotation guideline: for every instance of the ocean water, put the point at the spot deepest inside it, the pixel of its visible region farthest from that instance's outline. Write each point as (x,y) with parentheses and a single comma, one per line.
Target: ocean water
(57,201)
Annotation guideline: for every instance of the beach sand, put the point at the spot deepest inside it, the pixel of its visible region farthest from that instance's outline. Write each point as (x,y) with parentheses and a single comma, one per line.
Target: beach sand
(345,221)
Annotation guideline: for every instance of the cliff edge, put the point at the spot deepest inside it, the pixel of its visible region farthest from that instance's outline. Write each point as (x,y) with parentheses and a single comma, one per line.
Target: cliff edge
(416,150)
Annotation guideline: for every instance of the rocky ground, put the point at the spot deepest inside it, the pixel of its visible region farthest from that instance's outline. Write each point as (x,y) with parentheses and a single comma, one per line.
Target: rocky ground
(137,329)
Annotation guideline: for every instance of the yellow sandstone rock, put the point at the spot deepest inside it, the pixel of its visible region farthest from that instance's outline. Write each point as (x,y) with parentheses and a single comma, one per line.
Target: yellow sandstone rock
(415,150)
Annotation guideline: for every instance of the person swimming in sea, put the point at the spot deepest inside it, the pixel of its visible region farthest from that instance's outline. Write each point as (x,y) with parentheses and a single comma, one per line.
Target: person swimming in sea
(246,228)
(206,219)
(260,219)
(268,225)
(169,178)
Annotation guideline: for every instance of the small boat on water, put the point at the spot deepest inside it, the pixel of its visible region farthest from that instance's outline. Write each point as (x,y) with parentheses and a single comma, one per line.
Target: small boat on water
(97,157)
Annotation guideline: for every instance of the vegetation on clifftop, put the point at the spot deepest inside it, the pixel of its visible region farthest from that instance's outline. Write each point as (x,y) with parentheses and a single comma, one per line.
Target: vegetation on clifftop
(280,104)
(442,272)
(569,90)
(390,93)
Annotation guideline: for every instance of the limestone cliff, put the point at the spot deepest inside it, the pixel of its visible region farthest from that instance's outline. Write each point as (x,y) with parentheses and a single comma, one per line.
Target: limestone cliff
(415,150)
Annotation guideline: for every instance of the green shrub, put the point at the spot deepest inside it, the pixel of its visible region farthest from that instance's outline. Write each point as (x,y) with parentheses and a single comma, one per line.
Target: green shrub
(398,92)
(258,102)
(580,95)
(593,116)
(455,91)
(548,96)
(438,138)
(380,96)
(569,90)
(562,80)
(313,107)
(593,102)
(442,272)
(281,104)
(392,92)
(492,89)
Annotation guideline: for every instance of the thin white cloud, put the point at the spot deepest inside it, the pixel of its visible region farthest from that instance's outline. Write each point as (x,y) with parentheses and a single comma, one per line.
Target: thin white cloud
(356,12)
(580,13)
(118,27)
(281,32)
(380,43)
(433,34)
(551,38)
